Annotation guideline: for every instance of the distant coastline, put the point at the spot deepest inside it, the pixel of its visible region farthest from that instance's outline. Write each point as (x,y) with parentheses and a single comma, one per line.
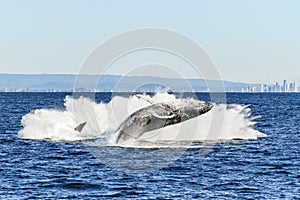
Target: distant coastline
(110,83)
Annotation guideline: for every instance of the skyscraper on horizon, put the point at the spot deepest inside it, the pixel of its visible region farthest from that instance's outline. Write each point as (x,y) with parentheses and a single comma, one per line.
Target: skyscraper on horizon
(284,86)
(277,87)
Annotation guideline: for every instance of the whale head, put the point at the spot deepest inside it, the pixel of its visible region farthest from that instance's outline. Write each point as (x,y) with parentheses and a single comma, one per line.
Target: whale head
(191,109)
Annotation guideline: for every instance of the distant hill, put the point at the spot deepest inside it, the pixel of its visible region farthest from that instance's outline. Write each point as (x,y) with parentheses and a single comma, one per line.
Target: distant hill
(65,82)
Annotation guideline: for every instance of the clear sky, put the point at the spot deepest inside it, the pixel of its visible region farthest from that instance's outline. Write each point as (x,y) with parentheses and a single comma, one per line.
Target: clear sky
(250,40)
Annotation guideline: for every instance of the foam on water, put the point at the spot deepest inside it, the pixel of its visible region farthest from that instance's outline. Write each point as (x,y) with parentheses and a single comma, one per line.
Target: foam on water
(103,119)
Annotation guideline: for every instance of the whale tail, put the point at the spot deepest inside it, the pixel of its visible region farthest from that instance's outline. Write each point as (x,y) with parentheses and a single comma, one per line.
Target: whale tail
(80,127)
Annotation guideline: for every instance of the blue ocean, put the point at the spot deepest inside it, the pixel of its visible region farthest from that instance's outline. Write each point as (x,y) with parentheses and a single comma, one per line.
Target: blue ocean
(251,152)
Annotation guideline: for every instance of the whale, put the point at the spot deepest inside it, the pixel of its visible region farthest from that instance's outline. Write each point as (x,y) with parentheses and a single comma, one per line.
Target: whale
(157,116)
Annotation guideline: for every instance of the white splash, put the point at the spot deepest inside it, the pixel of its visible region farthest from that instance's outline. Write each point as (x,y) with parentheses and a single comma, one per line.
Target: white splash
(223,122)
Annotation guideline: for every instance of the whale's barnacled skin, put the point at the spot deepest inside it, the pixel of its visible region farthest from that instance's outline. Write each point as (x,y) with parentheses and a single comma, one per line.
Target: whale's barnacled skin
(160,115)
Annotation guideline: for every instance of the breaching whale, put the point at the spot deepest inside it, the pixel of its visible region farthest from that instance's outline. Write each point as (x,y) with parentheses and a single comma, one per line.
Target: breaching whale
(160,115)
(156,116)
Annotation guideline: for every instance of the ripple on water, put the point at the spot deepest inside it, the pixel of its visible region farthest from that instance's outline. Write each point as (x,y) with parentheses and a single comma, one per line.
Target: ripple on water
(265,168)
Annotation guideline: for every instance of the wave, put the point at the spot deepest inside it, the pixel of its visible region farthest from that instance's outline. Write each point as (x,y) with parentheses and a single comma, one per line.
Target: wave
(223,122)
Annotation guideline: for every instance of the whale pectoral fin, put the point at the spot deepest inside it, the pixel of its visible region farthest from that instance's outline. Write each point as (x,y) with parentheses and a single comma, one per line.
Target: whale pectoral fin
(80,127)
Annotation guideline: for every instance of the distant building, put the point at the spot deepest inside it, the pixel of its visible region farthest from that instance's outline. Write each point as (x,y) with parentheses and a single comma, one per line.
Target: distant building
(293,87)
(284,86)
(277,87)
(262,88)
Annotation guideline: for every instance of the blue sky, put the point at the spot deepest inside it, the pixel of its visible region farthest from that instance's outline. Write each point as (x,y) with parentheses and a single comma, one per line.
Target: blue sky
(250,41)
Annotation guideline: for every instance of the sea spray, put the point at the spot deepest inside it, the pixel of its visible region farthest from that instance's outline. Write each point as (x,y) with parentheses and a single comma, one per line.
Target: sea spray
(103,120)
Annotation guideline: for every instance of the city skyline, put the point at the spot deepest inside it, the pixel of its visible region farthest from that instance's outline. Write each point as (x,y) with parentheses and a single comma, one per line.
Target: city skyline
(66,83)
(276,87)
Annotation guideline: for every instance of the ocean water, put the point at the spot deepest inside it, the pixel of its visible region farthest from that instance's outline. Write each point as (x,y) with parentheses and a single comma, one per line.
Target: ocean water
(255,154)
